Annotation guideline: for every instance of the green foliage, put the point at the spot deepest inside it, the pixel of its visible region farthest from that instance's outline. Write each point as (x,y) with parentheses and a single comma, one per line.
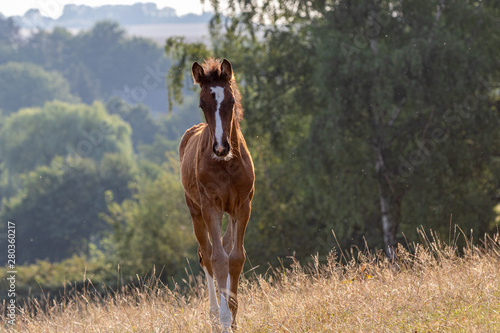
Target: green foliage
(33,137)
(185,54)
(144,128)
(56,211)
(409,94)
(9,39)
(58,50)
(52,279)
(58,161)
(62,165)
(363,112)
(31,85)
(152,138)
(114,59)
(157,152)
(188,114)
(97,62)
(153,229)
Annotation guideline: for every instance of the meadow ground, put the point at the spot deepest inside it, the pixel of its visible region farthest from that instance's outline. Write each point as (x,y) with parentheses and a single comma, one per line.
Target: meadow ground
(429,289)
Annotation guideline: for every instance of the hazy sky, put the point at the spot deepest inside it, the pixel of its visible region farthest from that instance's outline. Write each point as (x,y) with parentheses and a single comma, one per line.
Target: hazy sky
(53,8)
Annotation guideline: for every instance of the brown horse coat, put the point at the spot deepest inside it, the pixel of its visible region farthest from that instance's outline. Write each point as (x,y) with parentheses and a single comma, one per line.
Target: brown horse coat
(218,177)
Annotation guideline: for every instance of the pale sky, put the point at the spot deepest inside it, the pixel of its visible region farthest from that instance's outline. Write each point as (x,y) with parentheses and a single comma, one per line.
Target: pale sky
(53,8)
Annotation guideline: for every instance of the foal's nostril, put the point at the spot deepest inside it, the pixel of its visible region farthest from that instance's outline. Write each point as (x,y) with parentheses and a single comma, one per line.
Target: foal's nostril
(221,150)
(226,148)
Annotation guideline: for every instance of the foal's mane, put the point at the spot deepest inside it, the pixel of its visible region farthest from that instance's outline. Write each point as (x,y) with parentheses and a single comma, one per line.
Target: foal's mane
(213,74)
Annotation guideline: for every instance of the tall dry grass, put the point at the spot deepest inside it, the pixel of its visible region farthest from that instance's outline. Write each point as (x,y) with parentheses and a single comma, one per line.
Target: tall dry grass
(430,289)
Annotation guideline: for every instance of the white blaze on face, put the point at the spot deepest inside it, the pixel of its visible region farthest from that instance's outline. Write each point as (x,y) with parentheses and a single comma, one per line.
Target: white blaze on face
(219,97)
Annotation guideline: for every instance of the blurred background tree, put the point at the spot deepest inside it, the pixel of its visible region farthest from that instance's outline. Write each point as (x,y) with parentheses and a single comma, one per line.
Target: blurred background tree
(152,229)
(31,85)
(60,129)
(71,155)
(65,167)
(144,128)
(10,38)
(56,211)
(404,93)
(368,118)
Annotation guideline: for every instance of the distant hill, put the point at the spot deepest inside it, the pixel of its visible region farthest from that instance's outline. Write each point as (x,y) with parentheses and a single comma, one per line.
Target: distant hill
(82,16)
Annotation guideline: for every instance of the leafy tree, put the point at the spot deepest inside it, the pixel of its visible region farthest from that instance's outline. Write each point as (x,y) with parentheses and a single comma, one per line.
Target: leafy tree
(158,151)
(28,85)
(144,128)
(56,211)
(99,62)
(106,37)
(407,98)
(117,62)
(371,117)
(182,117)
(53,50)
(153,228)
(58,50)
(33,137)
(9,39)
(152,138)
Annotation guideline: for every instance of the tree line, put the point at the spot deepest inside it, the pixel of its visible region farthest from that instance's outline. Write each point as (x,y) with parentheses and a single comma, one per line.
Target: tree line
(370,118)
(82,165)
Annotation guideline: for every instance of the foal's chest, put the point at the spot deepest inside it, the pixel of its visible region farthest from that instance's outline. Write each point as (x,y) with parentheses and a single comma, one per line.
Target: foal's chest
(228,184)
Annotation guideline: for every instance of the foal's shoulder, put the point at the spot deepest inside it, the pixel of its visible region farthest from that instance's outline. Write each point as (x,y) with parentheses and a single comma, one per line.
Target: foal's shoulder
(188,135)
(196,128)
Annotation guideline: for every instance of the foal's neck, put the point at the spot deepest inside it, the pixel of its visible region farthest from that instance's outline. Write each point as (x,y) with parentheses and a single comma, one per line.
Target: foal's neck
(235,137)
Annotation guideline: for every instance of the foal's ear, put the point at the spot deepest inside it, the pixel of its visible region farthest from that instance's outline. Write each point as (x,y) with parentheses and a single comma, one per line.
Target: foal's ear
(198,73)
(226,70)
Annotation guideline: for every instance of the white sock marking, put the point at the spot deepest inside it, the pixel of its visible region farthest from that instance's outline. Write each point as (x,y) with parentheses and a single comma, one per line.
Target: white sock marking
(214,307)
(219,97)
(225,314)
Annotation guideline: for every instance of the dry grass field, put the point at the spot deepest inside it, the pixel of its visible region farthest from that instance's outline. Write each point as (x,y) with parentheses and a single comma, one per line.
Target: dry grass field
(431,289)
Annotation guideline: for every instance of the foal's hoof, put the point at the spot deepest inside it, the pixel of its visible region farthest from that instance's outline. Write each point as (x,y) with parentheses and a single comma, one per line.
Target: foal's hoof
(215,326)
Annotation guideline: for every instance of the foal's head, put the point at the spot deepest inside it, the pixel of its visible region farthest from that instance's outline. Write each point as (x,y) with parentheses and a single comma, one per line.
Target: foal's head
(219,99)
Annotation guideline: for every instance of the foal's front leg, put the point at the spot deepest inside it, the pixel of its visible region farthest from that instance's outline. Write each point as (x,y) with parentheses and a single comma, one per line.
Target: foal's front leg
(237,255)
(204,255)
(212,297)
(219,262)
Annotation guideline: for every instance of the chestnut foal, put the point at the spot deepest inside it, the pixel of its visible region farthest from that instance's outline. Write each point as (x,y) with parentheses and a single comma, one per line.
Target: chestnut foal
(218,177)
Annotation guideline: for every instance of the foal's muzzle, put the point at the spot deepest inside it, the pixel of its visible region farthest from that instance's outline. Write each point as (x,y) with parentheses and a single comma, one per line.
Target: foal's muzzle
(221,150)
